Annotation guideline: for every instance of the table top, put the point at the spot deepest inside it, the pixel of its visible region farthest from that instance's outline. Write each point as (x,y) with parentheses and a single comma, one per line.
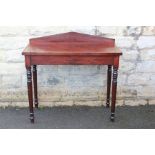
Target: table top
(71,43)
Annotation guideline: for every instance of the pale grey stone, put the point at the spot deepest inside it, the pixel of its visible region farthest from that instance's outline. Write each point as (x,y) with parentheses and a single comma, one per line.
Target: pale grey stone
(148,30)
(12,43)
(133,30)
(147,91)
(145,66)
(110,30)
(11,81)
(135,102)
(12,68)
(124,42)
(126,66)
(130,55)
(146,42)
(50,30)
(148,54)
(13,31)
(14,56)
(138,79)
(152,102)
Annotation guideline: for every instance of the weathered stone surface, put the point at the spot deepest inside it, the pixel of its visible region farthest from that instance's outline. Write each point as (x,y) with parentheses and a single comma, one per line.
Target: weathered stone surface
(145,66)
(127,92)
(84,81)
(14,31)
(122,79)
(130,55)
(146,42)
(60,85)
(110,30)
(12,43)
(136,102)
(12,81)
(5,95)
(126,66)
(12,68)
(125,42)
(2,55)
(5,104)
(19,104)
(148,30)
(133,30)
(89,103)
(39,31)
(119,102)
(14,56)
(138,79)
(151,102)
(147,91)
(147,54)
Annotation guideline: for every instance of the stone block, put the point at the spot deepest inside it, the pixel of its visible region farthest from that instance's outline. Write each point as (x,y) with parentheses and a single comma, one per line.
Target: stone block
(119,102)
(40,31)
(152,102)
(126,66)
(135,102)
(129,55)
(110,30)
(5,95)
(19,95)
(5,104)
(13,31)
(84,81)
(2,56)
(125,42)
(148,30)
(145,67)
(145,91)
(13,43)
(20,104)
(14,56)
(138,79)
(126,92)
(12,68)
(89,103)
(133,30)
(11,81)
(122,79)
(147,54)
(146,42)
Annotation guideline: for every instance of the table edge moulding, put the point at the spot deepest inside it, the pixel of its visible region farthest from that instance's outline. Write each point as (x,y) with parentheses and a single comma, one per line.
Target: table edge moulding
(71,48)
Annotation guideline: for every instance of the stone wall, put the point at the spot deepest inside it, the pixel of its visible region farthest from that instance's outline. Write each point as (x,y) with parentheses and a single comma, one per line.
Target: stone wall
(79,85)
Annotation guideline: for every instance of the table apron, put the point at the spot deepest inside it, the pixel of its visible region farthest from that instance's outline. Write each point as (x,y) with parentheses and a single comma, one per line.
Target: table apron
(71,60)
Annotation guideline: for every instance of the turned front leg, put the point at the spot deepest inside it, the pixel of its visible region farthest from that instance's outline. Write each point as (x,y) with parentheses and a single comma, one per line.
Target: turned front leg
(114,90)
(35,86)
(30,93)
(108,85)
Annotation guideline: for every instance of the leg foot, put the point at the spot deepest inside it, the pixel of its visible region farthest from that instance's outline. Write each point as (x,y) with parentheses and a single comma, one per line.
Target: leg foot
(32,117)
(112,117)
(36,104)
(107,105)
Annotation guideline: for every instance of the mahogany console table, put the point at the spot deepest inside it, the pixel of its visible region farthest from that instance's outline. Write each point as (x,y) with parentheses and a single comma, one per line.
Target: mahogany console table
(71,48)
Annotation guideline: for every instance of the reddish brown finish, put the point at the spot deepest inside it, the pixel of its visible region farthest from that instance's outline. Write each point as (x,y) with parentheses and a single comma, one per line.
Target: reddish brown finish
(35,86)
(108,85)
(73,48)
(30,93)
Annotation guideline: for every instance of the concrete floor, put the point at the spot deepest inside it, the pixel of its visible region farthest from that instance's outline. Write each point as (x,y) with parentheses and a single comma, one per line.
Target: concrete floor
(141,117)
